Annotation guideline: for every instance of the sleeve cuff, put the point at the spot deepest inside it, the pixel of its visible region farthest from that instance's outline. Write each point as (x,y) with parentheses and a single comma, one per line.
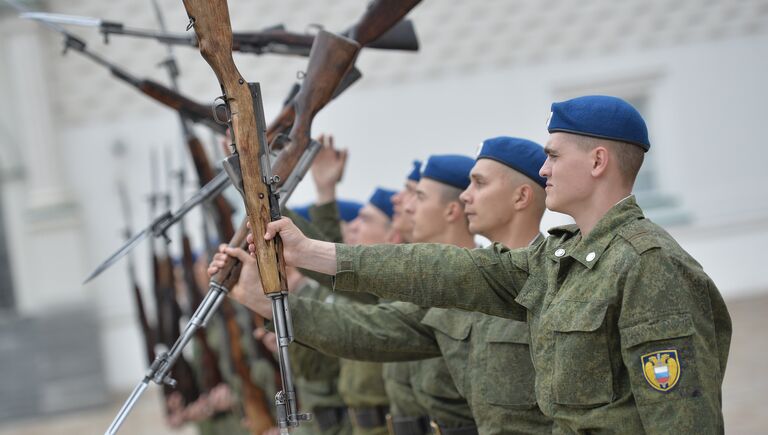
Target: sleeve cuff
(346,268)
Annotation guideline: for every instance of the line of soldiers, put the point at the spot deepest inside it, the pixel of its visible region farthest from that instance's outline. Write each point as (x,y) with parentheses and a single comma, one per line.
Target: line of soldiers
(603,326)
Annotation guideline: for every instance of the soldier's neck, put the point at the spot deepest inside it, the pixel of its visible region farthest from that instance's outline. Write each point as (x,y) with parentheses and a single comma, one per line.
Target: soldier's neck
(589,212)
(460,237)
(515,235)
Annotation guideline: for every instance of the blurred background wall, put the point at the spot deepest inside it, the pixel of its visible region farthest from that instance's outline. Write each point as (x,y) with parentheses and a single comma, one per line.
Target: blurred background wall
(69,132)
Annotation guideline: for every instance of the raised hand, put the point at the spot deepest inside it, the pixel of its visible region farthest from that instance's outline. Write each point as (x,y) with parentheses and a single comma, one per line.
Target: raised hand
(328,169)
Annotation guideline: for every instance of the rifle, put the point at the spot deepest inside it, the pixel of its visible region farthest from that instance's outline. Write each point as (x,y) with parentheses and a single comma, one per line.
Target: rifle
(211,375)
(379,19)
(327,66)
(168,310)
(212,26)
(274,39)
(147,332)
(192,110)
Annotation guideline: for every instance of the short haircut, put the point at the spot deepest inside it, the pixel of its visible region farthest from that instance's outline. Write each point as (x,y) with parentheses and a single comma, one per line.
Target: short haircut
(629,157)
(450,194)
(517,179)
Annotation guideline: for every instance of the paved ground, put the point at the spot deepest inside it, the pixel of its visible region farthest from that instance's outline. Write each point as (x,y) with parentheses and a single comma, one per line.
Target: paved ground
(746,385)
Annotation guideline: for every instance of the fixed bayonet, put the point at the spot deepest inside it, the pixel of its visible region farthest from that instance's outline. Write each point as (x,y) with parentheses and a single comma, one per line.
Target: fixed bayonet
(161,224)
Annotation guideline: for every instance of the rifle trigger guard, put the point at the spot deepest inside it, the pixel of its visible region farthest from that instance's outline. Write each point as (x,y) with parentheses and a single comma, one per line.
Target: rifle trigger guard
(301,74)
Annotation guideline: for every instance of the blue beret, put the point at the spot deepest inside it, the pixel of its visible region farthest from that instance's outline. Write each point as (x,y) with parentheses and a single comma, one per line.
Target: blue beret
(522,155)
(348,210)
(382,199)
(450,169)
(302,211)
(602,117)
(415,174)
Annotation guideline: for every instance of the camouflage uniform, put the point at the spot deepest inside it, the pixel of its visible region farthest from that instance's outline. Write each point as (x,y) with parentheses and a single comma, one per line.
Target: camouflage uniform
(316,377)
(421,392)
(627,331)
(361,385)
(480,352)
(230,422)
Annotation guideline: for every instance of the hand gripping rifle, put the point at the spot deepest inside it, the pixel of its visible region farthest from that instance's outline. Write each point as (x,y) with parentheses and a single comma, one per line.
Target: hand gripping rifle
(330,59)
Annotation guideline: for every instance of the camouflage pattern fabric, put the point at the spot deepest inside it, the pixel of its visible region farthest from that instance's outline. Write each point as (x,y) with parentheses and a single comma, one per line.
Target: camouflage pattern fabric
(598,308)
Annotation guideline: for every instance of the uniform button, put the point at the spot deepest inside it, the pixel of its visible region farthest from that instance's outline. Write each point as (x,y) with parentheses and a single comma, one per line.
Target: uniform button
(590,256)
(560,252)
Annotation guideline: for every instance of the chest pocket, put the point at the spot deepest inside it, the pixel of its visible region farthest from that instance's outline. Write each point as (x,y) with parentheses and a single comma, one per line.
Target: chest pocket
(452,329)
(455,325)
(508,378)
(582,373)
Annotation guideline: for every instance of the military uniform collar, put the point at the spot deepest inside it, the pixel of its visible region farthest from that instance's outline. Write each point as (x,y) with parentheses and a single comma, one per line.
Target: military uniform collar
(587,251)
(539,238)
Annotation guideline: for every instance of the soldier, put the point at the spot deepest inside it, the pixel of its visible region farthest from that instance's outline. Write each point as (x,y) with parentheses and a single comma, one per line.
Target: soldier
(401,222)
(627,331)
(422,392)
(317,374)
(487,356)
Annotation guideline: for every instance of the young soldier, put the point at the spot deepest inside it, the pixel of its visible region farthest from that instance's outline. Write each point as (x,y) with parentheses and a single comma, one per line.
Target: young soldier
(628,334)
(487,356)
(423,392)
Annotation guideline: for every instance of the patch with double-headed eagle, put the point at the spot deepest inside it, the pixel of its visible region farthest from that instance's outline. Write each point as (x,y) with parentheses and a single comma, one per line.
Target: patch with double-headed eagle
(661,369)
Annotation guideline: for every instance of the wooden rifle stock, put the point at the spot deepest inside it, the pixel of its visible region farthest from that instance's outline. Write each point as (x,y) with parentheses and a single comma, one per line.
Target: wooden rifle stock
(187,108)
(204,171)
(182,372)
(214,34)
(380,16)
(211,375)
(329,60)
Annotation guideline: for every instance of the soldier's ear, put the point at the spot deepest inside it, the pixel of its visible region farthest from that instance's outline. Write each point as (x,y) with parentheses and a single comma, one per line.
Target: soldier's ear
(600,157)
(454,211)
(522,196)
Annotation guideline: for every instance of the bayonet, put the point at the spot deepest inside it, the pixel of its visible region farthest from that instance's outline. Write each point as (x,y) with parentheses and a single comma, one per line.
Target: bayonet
(160,225)
(272,40)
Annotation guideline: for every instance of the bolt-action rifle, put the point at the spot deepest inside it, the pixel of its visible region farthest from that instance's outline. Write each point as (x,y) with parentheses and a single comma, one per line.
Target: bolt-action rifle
(167,307)
(250,158)
(275,39)
(147,331)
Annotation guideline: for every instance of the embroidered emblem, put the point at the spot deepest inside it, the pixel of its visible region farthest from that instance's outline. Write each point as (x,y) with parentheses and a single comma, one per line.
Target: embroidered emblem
(661,369)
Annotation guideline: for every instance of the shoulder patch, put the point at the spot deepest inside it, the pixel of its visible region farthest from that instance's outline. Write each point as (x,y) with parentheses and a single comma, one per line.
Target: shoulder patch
(563,229)
(661,369)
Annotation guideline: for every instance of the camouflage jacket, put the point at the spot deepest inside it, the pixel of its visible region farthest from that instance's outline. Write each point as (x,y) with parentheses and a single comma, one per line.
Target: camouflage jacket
(426,388)
(487,357)
(316,374)
(627,331)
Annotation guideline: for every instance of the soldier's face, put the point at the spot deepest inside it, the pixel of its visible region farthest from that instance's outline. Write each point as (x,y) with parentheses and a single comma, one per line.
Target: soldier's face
(487,201)
(402,222)
(371,226)
(428,210)
(568,173)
